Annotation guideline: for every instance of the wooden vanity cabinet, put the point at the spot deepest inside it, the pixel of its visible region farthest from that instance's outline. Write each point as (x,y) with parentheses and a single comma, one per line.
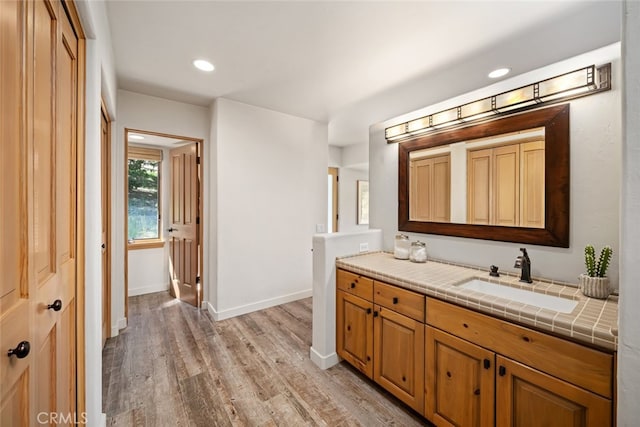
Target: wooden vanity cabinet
(381,334)
(534,386)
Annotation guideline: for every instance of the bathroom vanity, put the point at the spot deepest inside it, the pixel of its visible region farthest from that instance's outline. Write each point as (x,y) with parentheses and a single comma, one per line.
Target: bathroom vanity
(463,355)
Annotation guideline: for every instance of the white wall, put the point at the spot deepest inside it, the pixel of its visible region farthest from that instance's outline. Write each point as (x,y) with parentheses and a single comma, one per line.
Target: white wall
(100,84)
(326,248)
(149,113)
(595,179)
(629,345)
(148,271)
(271,193)
(348,199)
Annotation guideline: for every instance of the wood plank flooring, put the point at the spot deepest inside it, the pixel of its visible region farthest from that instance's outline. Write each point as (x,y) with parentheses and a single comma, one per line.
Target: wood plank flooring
(174,366)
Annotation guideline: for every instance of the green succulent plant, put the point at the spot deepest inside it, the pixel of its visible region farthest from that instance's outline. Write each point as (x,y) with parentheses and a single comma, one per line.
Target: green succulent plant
(597,269)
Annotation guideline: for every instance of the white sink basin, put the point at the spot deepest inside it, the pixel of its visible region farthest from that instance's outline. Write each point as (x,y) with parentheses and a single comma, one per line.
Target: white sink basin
(562,305)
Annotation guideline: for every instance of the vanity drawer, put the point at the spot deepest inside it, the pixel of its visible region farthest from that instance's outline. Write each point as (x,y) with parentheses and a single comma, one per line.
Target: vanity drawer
(403,301)
(572,362)
(355,284)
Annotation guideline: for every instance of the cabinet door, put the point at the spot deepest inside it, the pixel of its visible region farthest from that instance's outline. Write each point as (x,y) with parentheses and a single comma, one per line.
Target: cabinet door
(529,398)
(354,331)
(430,186)
(399,356)
(506,178)
(532,184)
(479,187)
(459,381)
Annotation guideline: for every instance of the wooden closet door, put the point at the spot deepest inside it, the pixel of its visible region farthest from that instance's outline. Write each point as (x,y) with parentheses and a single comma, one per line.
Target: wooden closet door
(15,295)
(479,196)
(53,188)
(506,190)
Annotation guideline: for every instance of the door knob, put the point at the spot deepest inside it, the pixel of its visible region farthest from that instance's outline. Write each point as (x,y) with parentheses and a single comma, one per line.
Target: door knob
(103,246)
(21,351)
(172,229)
(56,306)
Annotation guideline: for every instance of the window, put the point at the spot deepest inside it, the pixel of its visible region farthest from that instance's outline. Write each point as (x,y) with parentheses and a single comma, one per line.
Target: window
(144,193)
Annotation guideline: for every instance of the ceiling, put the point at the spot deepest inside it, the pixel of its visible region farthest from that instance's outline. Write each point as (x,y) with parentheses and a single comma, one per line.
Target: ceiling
(348,64)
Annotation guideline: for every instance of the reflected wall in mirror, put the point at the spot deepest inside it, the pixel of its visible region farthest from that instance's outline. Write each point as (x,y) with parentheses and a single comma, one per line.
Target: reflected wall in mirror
(507,179)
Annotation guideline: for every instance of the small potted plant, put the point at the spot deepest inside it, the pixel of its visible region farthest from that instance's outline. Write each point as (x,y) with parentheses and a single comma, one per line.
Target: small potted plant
(595,283)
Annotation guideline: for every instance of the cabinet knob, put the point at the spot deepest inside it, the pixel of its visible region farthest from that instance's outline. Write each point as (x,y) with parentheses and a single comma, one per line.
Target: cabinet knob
(477,392)
(395,300)
(56,306)
(353,285)
(21,351)
(375,314)
(348,327)
(502,371)
(369,311)
(487,363)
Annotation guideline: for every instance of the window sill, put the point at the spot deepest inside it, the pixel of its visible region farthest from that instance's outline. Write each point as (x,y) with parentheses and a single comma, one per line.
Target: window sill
(145,244)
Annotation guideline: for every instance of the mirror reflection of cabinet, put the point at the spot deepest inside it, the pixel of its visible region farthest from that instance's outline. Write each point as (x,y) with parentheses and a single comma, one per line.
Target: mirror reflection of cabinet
(535,199)
(431,189)
(506,185)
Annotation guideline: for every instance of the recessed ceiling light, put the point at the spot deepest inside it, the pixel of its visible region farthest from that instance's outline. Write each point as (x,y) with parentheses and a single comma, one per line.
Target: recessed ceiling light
(132,136)
(499,73)
(203,65)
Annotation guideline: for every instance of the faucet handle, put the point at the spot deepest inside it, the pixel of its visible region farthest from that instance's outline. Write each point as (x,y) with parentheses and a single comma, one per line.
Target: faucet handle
(494,271)
(518,263)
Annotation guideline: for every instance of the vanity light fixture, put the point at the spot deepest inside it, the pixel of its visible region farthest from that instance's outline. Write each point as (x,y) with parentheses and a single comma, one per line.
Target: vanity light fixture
(563,87)
(204,65)
(134,136)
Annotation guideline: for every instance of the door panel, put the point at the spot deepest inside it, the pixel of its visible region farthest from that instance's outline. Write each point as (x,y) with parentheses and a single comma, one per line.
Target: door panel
(183,231)
(530,398)
(105,149)
(354,331)
(38,121)
(459,381)
(398,359)
(15,303)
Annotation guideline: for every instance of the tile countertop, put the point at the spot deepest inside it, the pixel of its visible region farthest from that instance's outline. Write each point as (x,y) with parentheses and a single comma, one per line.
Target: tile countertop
(593,321)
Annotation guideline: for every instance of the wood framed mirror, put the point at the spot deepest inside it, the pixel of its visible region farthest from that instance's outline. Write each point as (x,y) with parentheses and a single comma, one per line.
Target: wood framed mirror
(539,206)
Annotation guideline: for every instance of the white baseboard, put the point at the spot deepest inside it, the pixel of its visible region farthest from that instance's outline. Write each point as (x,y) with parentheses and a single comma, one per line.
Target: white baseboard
(255,306)
(323,362)
(148,289)
(120,324)
(103,419)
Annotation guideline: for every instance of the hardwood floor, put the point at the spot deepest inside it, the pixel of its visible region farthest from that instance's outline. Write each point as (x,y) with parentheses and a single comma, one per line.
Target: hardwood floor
(174,366)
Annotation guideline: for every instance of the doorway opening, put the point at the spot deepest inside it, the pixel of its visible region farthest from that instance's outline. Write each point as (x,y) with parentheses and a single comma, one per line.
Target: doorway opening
(332,211)
(163,212)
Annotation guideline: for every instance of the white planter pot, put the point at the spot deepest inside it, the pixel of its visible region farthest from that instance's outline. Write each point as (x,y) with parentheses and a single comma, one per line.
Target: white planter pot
(595,287)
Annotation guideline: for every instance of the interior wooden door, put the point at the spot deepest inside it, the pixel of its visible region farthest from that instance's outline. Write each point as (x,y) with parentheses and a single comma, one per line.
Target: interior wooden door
(53,190)
(184,223)
(15,295)
(526,397)
(38,248)
(105,145)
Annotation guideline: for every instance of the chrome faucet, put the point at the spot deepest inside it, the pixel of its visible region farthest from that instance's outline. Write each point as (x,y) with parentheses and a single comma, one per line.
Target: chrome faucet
(524,264)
